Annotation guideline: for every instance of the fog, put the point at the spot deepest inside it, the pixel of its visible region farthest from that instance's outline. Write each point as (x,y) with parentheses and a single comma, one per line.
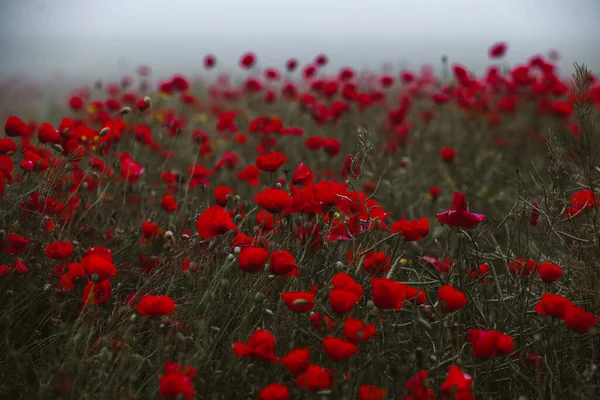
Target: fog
(104,38)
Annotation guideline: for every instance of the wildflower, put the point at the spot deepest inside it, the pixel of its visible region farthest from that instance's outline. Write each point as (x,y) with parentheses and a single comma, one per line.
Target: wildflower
(451,299)
(299,302)
(156,305)
(296,361)
(214,221)
(345,293)
(458,216)
(260,346)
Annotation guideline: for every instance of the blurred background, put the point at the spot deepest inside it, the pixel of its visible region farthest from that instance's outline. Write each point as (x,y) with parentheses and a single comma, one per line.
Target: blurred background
(89,39)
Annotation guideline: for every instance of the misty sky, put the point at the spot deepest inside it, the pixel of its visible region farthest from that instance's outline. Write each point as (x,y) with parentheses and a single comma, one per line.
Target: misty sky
(104,38)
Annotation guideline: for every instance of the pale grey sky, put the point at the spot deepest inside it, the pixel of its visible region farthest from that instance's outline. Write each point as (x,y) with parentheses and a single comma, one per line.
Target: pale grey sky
(102,38)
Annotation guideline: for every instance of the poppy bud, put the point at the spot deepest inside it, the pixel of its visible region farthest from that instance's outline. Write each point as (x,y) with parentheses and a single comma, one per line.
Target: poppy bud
(125,111)
(258,297)
(104,131)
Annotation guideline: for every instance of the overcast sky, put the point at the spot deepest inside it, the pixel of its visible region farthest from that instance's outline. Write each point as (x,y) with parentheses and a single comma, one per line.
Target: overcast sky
(103,38)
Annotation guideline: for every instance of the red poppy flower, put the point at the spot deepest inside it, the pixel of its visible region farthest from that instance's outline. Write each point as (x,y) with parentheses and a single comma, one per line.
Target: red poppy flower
(358,331)
(168,203)
(291,64)
(17,244)
(282,262)
(578,319)
(296,361)
(412,231)
(253,259)
(521,267)
(250,174)
(47,134)
(318,322)
(156,305)
(339,349)
(371,392)
(314,143)
(451,299)
(99,267)
(549,272)
(7,146)
(448,154)
(176,382)
(303,176)
(214,221)
(273,200)
(222,195)
(97,293)
(274,391)
(415,296)
(209,61)
(345,293)
(418,387)
(457,385)
(332,147)
(299,302)
(270,162)
(14,126)
(377,263)
(59,250)
(458,216)
(488,343)
(388,294)
(497,50)
(260,346)
(247,60)
(315,379)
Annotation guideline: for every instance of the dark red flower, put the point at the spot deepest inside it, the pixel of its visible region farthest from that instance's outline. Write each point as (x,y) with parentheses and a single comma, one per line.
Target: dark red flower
(345,293)
(247,60)
(498,50)
(156,305)
(270,162)
(168,203)
(457,385)
(412,231)
(14,126)
(260,346)
(253,259)
(458,216)
(448,154)
(209,61)
(318,321)
(273,200)
(59,250)
(297,360)
(299,302)
(274,391)
(315,379)
(549,272)
(214,221)
(371,392)
(358,331)
(521,267)
(451,299)
(388,294)
(282,262)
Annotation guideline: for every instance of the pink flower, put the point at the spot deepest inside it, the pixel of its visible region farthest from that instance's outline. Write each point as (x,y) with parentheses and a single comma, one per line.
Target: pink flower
(458,216)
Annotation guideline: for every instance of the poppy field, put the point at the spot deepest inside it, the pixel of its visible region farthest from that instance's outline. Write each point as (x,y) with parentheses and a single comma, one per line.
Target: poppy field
(292,232)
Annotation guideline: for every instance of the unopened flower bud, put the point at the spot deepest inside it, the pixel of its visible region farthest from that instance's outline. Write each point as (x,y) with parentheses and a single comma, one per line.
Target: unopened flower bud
(125,111)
